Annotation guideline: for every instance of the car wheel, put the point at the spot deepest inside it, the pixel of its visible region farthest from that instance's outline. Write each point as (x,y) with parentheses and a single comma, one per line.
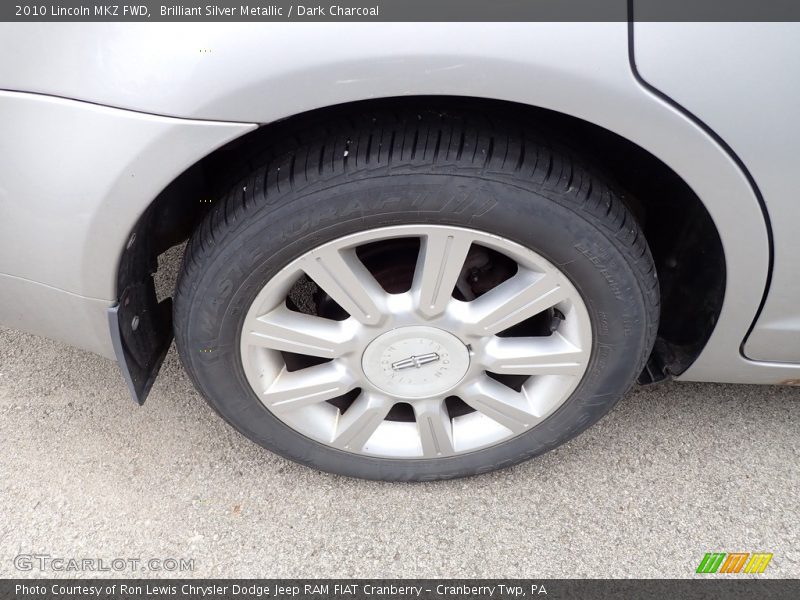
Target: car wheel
(416,296)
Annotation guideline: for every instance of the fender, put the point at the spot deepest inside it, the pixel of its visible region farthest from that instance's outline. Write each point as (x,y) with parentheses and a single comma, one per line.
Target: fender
(74,179)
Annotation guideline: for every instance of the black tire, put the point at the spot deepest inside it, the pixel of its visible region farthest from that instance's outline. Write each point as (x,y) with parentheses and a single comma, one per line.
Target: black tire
(423,167)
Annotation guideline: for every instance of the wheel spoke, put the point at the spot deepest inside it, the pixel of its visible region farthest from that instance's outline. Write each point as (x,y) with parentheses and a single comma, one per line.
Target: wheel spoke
(290,331)
(345,278)
(441,259)
(500,403)
(550,355)
(516,299)
(296,389)
(435,428)
(360,420)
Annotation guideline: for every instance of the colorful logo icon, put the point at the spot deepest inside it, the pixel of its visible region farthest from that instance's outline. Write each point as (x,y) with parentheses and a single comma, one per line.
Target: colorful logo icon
(734,562)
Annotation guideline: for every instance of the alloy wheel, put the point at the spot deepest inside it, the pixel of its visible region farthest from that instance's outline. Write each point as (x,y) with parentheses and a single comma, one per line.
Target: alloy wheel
(417,342)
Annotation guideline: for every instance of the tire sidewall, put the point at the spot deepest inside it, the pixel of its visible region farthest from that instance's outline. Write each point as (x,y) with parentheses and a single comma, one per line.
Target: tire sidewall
(271,236)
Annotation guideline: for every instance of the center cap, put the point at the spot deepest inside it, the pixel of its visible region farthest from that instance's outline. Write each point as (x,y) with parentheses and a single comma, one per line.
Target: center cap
(415,362)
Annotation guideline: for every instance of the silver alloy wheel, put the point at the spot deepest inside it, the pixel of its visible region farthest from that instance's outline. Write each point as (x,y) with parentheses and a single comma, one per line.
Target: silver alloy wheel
(418,347)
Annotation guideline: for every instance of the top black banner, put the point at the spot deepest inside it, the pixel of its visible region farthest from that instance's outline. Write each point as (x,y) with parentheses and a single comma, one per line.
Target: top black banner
(400,10)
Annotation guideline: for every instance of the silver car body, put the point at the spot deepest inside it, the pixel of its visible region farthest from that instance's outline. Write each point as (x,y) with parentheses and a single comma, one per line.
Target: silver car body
(97,119)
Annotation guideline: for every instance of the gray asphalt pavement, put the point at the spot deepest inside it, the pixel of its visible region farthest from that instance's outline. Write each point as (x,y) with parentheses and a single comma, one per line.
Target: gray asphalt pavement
(673,472)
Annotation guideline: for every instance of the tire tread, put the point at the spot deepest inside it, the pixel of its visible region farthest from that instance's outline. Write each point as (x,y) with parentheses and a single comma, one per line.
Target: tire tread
(376,144)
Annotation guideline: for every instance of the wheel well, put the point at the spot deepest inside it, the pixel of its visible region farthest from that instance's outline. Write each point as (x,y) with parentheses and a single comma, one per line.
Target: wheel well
(683,239)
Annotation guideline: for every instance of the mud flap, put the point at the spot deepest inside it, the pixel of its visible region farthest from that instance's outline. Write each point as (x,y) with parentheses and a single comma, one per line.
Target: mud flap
(141,332)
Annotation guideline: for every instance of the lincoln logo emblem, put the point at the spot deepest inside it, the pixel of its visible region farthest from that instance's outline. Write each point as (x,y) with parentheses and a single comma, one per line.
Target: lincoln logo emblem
(415,361)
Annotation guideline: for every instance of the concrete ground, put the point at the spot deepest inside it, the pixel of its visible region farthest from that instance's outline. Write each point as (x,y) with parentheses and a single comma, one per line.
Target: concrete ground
(675,471)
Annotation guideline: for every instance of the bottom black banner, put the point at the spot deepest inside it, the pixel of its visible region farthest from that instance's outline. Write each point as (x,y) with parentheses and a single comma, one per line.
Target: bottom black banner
(394,589)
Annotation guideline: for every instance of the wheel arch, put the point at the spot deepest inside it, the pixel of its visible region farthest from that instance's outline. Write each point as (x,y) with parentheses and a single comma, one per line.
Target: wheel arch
(676,222)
